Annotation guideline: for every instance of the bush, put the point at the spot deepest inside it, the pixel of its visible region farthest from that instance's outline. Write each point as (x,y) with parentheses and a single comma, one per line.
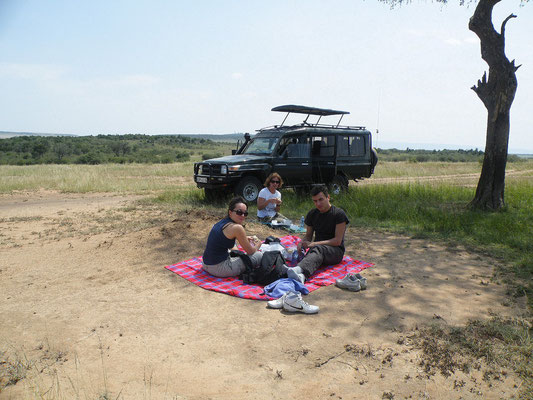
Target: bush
(208,156)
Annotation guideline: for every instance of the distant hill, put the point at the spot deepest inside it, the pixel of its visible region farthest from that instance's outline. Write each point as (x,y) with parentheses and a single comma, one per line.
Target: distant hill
(223,137)
(6,135)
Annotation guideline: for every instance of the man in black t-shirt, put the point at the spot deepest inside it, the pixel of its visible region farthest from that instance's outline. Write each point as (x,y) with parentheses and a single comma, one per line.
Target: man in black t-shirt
(328,224)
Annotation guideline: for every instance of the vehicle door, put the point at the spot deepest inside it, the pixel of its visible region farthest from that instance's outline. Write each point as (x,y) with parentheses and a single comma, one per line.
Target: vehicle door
(353,155)
(323,158)
(292,160)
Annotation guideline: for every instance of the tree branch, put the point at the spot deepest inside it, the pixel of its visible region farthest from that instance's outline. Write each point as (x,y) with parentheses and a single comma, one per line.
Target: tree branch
(482,90)
(505,22)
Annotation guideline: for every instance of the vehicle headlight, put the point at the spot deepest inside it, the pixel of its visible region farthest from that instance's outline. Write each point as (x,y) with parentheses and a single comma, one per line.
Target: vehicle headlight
(234,168)
(224,169)
(200,170)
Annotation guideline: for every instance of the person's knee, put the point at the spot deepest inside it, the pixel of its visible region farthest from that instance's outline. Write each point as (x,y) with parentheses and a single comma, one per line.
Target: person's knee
(256,258)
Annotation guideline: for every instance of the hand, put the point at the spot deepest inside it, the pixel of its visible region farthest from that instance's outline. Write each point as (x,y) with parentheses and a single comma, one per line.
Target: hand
(304,244)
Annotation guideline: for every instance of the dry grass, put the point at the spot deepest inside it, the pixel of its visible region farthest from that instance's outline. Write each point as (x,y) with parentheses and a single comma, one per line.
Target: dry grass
(120,178)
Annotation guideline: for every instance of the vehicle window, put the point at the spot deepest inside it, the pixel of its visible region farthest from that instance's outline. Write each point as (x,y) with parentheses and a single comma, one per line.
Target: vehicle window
(357,146)
(351,146)
(343,146)
(263,145)
(323,146)
(295,147)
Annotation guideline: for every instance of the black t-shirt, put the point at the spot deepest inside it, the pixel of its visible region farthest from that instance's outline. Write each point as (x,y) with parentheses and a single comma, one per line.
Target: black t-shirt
(324,224)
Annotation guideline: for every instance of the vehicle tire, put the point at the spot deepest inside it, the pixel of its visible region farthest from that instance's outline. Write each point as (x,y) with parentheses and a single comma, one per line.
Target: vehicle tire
(373,160)
(338,184)
(248,188)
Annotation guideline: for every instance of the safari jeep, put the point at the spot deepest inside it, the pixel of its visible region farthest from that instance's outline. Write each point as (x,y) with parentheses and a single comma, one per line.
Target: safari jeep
(303,154)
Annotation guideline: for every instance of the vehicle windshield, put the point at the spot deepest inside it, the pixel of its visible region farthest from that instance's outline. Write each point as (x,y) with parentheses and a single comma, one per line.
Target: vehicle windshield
(262,145)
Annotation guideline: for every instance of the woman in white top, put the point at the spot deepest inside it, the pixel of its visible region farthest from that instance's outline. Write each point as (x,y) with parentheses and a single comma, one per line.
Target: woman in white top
(269,199)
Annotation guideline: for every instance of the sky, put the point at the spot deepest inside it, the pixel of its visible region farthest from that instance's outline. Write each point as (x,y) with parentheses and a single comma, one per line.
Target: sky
(170,67)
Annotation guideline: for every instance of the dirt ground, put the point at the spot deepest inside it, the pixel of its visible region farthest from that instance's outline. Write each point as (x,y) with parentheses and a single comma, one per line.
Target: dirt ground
(88,311)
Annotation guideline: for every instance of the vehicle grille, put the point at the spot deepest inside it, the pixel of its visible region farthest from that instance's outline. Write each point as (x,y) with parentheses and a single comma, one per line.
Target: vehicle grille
(209,169)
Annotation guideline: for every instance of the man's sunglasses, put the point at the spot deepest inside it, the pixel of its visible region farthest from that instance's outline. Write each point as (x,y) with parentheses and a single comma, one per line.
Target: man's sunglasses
(274,181)
(240,212)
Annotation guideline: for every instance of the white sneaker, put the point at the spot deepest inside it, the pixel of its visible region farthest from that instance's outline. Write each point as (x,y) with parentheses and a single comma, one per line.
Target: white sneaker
(349,282)
(362,281)
(277,303)
(295,275)
(293,303)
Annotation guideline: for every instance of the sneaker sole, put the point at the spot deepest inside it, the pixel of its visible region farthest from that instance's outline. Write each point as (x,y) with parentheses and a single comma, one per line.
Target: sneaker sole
(349,288)
(292,309)
(275,307)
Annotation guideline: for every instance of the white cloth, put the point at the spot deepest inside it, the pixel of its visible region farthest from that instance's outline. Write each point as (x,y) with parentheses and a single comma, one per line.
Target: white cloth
(270,209)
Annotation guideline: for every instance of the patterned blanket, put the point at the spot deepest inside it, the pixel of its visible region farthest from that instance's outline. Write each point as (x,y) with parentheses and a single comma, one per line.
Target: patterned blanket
(193,272)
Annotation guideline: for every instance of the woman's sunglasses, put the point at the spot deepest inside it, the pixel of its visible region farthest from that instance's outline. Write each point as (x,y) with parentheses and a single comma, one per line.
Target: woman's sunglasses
(240,213)
(274,181)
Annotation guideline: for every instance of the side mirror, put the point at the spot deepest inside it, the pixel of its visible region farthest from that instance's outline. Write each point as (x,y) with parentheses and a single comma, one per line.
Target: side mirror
(233,152)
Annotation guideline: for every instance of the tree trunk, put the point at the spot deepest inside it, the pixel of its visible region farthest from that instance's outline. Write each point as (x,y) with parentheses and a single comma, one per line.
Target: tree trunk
(497,93)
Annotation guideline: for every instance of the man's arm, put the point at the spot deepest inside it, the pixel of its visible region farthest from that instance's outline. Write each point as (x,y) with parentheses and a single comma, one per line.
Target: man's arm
(304,244)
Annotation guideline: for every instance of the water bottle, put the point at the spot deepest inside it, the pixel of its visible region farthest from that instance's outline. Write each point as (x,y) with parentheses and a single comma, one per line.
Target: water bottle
(295,256)
(302,222)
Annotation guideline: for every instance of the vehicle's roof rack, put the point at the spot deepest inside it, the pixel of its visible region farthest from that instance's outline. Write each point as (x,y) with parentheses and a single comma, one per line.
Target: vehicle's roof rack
(308,110)
(321,112)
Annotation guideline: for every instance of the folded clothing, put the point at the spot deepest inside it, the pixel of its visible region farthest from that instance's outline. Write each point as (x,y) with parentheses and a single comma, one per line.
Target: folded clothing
(281,286)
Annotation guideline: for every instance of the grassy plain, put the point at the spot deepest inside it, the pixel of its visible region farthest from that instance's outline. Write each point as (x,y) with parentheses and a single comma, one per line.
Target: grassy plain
(145,178)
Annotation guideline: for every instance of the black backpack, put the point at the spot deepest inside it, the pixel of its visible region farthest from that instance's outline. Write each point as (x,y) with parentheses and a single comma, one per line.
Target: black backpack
(268,271)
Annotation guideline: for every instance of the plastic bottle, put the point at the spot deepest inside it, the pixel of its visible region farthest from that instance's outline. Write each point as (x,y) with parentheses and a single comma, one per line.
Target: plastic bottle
(295,256)
(302,222)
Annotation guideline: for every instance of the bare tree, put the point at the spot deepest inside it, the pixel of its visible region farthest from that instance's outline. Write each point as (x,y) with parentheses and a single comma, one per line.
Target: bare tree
(497,93)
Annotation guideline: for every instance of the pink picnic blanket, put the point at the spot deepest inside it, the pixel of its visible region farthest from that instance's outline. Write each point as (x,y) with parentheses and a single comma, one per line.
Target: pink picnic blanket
(193,272)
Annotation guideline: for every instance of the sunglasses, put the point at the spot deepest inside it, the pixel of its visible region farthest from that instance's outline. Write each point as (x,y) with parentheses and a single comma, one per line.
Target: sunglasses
(274,181)
(240,213)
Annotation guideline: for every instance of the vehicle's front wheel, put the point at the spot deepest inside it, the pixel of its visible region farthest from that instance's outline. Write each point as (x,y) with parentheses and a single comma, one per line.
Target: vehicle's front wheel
(248,188)
(338,184)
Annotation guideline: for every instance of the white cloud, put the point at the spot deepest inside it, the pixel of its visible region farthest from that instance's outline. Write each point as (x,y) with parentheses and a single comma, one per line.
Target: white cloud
(236,75)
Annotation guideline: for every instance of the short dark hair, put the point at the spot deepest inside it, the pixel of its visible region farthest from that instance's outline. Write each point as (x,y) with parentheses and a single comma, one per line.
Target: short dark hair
(319,189)
(235,201)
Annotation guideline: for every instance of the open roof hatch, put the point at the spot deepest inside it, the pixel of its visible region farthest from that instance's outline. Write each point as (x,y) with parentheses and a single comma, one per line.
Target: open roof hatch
(291,108)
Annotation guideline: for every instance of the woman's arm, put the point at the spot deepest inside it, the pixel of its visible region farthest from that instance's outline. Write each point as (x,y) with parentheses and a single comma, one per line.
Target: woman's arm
(236,231)
(261,203)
